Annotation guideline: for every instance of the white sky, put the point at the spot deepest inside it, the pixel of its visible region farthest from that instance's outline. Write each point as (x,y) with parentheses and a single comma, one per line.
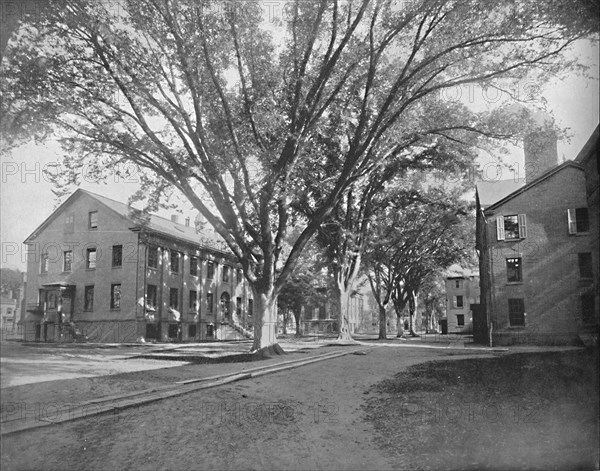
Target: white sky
(26,198)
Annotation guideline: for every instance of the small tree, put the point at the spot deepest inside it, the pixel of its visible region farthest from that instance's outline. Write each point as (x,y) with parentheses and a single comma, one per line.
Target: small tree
(11,280)
(434,300)
(304,287)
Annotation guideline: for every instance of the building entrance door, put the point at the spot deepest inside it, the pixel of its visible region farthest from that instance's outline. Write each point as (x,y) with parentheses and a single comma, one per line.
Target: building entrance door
(225,307)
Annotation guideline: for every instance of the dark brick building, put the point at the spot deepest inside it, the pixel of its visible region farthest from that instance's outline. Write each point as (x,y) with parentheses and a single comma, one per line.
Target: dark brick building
(538,253)
(98,270)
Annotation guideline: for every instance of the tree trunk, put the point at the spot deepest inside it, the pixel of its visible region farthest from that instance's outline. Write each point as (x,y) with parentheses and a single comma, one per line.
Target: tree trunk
(399,326)
(382,323)
(343,304)
(286,316)
(297,315)
(265,322)
(412,309)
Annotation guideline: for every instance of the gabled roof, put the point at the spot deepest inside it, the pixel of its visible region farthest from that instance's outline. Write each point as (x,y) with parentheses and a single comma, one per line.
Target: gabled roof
(53,215)
(490,191)
(545,176)
(151,223)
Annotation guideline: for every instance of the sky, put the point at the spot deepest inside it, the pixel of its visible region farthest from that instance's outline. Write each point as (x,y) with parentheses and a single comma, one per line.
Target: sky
(26,197)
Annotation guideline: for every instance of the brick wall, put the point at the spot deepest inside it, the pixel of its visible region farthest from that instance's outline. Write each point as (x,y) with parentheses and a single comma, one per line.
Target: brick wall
(551,284)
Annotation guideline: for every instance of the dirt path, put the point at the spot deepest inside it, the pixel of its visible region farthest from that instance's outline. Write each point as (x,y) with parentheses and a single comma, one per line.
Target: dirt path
(308,418)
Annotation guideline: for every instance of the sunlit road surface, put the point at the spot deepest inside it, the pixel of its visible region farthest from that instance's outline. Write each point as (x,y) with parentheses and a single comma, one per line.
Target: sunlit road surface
(24,364)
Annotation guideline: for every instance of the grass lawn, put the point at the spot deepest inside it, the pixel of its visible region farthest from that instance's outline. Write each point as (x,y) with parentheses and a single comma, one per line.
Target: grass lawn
(518,411)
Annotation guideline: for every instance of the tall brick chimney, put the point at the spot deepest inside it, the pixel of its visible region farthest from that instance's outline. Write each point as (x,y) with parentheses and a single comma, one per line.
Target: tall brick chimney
(540,146)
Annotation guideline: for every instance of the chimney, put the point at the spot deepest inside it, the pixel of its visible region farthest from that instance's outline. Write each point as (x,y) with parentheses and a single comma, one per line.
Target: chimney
(540,147)
(187,222)
(175,218)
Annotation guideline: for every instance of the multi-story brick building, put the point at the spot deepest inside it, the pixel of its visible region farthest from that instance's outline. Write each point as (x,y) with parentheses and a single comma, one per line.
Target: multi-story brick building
(99,270)
(539,278)
(462,290)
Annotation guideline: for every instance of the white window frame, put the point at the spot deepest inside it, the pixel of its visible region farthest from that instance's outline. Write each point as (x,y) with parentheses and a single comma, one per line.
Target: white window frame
(521,223)
(572,221)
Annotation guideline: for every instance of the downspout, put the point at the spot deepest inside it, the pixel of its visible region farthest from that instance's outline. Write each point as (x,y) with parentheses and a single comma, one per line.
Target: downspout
(182,308)
(159,306)
(492,295)
(144,300)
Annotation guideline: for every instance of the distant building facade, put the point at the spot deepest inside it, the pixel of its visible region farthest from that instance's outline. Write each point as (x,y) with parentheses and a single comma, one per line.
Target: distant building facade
(9,312)
(323,317)
(461,292)
(538,254)
(96,271)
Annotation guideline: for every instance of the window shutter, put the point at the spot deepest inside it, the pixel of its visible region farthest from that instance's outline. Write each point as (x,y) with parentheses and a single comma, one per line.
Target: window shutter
(572,221)
(454,301)
(522,226)
(500,227)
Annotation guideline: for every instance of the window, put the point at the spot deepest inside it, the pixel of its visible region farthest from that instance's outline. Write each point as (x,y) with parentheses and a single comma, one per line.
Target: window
(458,301)
(209,302)
(587,308)
(578,220)
(460,319)
(91,258)
(210,270)
(511,227)
(88,300)
(115,296)
(193,305)
(250,307)
(238,307)
(192,331)
(514,270)
(93,219)
(516,312)
(173,298)
(153,257)
(225,273)
(457,284)
(151,296)
(70,223)
(194,266)
(117,255)
(174,261)
(173,331)
(585,265)
(51,299)
(238,275)
(44,263)
(67,260)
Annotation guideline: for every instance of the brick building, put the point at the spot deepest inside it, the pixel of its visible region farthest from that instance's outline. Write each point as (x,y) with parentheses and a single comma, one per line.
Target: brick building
(538,253)
(462,290)
(100,270)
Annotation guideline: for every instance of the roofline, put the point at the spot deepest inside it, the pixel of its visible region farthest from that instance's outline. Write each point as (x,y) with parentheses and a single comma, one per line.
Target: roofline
(77,192)
(136,228)
(537,181)
(588,148)
(120,202)
(208,248)
(45,222)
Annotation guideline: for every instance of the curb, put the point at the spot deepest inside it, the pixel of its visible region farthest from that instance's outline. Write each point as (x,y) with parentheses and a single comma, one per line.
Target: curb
(434,347)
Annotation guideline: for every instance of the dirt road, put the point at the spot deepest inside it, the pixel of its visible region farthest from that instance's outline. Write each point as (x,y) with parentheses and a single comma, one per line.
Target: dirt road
(307,418)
